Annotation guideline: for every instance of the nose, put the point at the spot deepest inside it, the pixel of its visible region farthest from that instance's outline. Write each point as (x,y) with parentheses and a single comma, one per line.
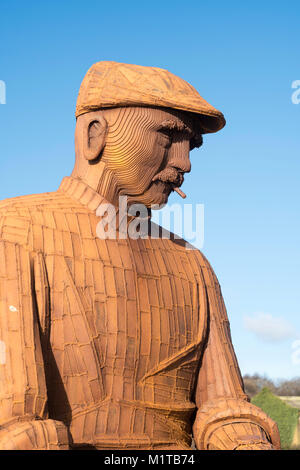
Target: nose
(179,156)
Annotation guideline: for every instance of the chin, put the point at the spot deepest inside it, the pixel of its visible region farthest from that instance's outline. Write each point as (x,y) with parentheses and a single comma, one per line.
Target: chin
(157,194)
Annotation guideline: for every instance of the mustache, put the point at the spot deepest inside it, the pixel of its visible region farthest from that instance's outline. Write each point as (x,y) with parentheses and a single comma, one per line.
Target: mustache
(170,175)
(173,177)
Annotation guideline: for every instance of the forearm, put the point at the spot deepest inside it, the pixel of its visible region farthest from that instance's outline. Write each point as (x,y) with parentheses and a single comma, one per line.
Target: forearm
(34,434)
(239,436)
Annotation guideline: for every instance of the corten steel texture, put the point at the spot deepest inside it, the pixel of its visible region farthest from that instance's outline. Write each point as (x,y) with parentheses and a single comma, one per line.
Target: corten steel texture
(114,343)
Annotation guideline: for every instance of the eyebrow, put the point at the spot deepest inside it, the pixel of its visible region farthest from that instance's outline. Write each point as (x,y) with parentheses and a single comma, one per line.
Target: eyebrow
(177,125)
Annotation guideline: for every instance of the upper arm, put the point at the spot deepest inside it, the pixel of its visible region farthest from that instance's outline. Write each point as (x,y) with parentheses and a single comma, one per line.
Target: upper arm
(219,374)
(224,413)
(22,379)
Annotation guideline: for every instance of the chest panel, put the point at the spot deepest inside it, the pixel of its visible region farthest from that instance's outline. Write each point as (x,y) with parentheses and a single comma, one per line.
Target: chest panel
(127,322)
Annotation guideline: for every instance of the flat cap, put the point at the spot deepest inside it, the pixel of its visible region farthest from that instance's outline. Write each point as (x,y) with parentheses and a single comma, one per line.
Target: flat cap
(112,84)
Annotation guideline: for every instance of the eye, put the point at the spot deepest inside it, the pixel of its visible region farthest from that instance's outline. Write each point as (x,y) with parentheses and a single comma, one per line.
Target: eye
(196,142)
(167,136)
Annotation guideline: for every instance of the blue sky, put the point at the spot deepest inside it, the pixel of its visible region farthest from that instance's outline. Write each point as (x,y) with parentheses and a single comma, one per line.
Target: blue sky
(242,57)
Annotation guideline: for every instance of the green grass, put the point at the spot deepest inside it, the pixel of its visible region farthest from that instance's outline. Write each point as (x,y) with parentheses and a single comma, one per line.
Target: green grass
(284,415)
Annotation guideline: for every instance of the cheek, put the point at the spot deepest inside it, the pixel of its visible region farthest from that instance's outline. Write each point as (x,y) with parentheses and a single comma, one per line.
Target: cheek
(136,163)
(153,152)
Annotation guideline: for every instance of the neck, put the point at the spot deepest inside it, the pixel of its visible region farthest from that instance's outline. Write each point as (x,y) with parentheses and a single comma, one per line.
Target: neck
(84,194)
(99,178)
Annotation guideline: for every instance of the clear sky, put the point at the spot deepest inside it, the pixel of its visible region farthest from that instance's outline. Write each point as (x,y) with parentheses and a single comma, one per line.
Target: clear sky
(243,58)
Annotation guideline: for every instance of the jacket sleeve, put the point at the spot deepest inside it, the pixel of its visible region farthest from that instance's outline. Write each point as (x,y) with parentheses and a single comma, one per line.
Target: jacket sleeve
(225,418)
(24,422)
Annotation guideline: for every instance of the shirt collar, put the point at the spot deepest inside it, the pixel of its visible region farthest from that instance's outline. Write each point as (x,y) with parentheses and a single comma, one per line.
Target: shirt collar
(88,197)
(82,193)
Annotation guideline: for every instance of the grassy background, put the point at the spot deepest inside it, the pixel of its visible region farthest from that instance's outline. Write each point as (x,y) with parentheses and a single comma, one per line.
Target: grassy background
(284,415)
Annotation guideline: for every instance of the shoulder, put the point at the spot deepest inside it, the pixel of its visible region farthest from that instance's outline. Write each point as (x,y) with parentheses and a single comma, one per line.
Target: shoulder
(14,223)
(183,250)
(177,244)
(19,214)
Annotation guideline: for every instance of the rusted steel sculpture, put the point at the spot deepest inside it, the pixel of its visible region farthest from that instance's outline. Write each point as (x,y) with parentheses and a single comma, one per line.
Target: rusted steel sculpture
(118,343)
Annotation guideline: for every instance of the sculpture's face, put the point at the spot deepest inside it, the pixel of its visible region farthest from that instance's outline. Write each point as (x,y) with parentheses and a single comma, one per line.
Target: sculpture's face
(146,153)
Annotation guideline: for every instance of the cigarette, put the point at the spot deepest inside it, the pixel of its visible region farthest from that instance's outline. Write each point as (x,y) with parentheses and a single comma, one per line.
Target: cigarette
(181,193)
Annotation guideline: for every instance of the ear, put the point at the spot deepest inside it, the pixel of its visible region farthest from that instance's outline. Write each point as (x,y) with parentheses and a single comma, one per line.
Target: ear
(94,137)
